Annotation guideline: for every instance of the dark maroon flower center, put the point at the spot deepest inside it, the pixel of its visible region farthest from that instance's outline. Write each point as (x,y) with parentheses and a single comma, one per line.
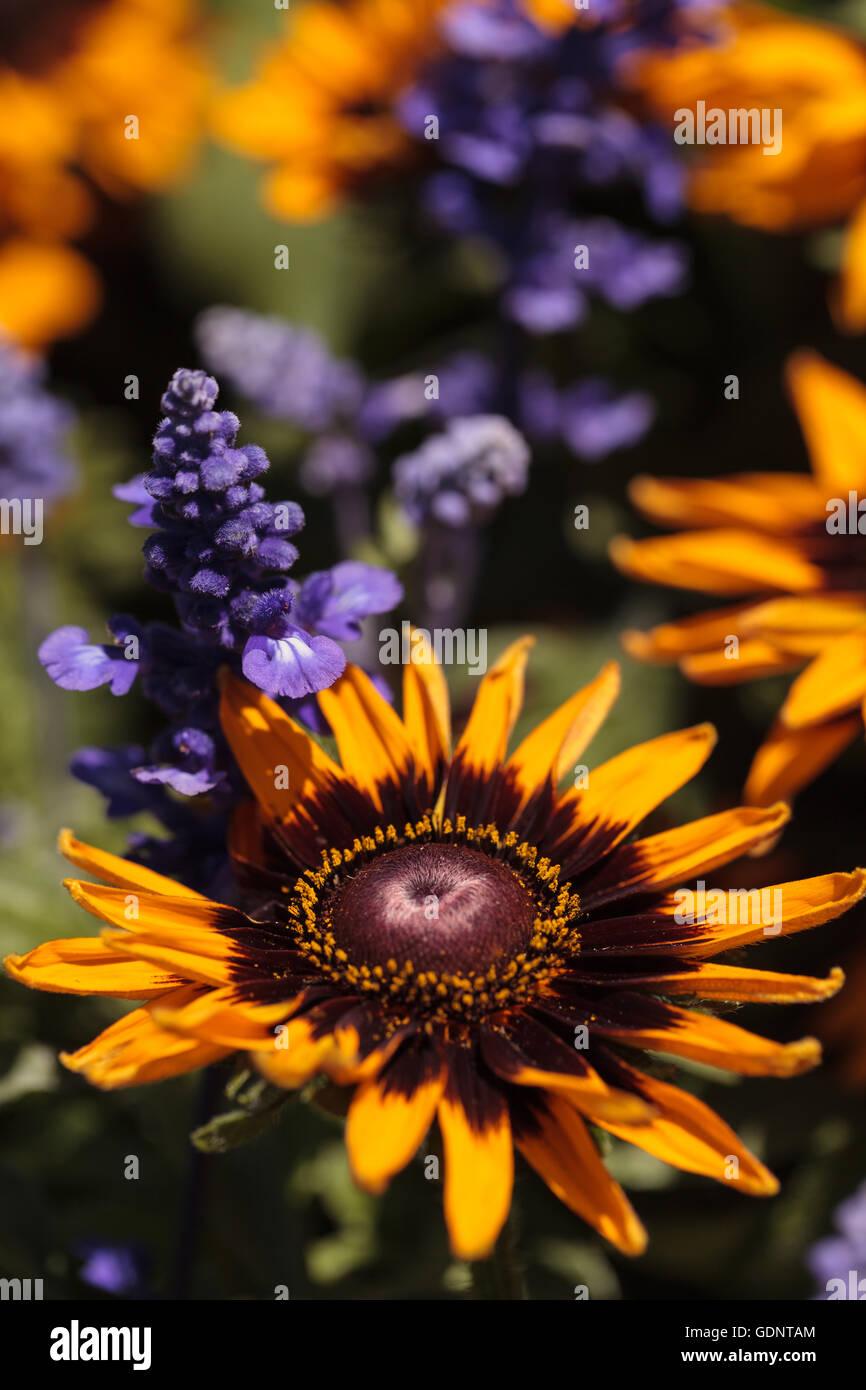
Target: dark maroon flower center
(441,906)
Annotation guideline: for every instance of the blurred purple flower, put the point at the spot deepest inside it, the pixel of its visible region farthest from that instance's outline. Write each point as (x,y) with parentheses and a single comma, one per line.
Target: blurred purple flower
(838,1263)
(119,1269)
(335,461)
(461,476)
(34,460)
(595,421)
(541,114)
(284,370)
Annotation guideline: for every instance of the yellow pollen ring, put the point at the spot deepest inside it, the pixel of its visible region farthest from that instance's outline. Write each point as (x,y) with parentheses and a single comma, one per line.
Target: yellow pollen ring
(438,997)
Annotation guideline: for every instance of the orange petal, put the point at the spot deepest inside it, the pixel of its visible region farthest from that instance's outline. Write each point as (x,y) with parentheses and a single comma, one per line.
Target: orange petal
(374,746)
(386,1124)
(748,661)
(484,742)
(689,1135)
(426,711)
(831,406)
(217,1016)
(834,683)
(355,1060)
(190,959)
(550,750)
(179,934)
(776,502)
(140,911)
(803,625)
(718,920)
(726,562)
(526,1053)
(135,1050)
(86,965)
(563,1154)
(703,1038)
(796,627)
(623,791)
(738,984)
(803,903)
(302,192)
(264,739)
(789,759)
(698,633)
(479,1166)
(675,856)
(122,873)
(296,1054)
(589,1093)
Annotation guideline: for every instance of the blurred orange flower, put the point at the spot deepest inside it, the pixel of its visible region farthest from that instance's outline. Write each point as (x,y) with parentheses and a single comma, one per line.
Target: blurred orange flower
(107,95)
(816,76)
(319,109)
(794,547)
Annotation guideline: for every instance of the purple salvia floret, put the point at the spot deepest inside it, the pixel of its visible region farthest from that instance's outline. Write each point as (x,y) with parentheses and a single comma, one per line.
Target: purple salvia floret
(223,553)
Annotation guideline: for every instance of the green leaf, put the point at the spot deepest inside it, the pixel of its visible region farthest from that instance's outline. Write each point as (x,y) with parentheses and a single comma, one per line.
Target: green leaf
(237,1127)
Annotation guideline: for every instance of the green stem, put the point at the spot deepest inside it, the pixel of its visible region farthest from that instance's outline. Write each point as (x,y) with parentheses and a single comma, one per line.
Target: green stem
(501,1275)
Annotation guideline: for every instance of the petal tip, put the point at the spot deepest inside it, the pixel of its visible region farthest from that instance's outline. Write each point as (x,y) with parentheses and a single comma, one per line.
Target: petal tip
(619,548)
(833,983)
(636,644)
(635,1239)
(761,1183)
(858,879)
(800,1056)
(13,966)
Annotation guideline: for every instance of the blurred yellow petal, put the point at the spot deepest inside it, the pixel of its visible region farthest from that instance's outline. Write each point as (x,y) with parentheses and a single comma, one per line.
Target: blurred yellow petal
(833,684)
(789,759)
(850,298)
(725,562)
(775,502)
(46,292)
(831,406)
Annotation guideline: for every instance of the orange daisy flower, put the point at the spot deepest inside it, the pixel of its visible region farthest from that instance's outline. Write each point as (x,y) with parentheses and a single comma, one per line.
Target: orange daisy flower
(790,544)
(457,941)
(320,106)
(761,58)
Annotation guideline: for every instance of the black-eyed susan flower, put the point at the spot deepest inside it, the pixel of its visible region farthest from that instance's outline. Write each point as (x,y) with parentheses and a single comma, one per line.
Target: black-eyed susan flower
(793,549)
(456,940)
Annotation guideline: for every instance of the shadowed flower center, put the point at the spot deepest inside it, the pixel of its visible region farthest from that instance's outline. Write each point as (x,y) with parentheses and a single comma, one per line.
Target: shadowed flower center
(445,923)
(444,907)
